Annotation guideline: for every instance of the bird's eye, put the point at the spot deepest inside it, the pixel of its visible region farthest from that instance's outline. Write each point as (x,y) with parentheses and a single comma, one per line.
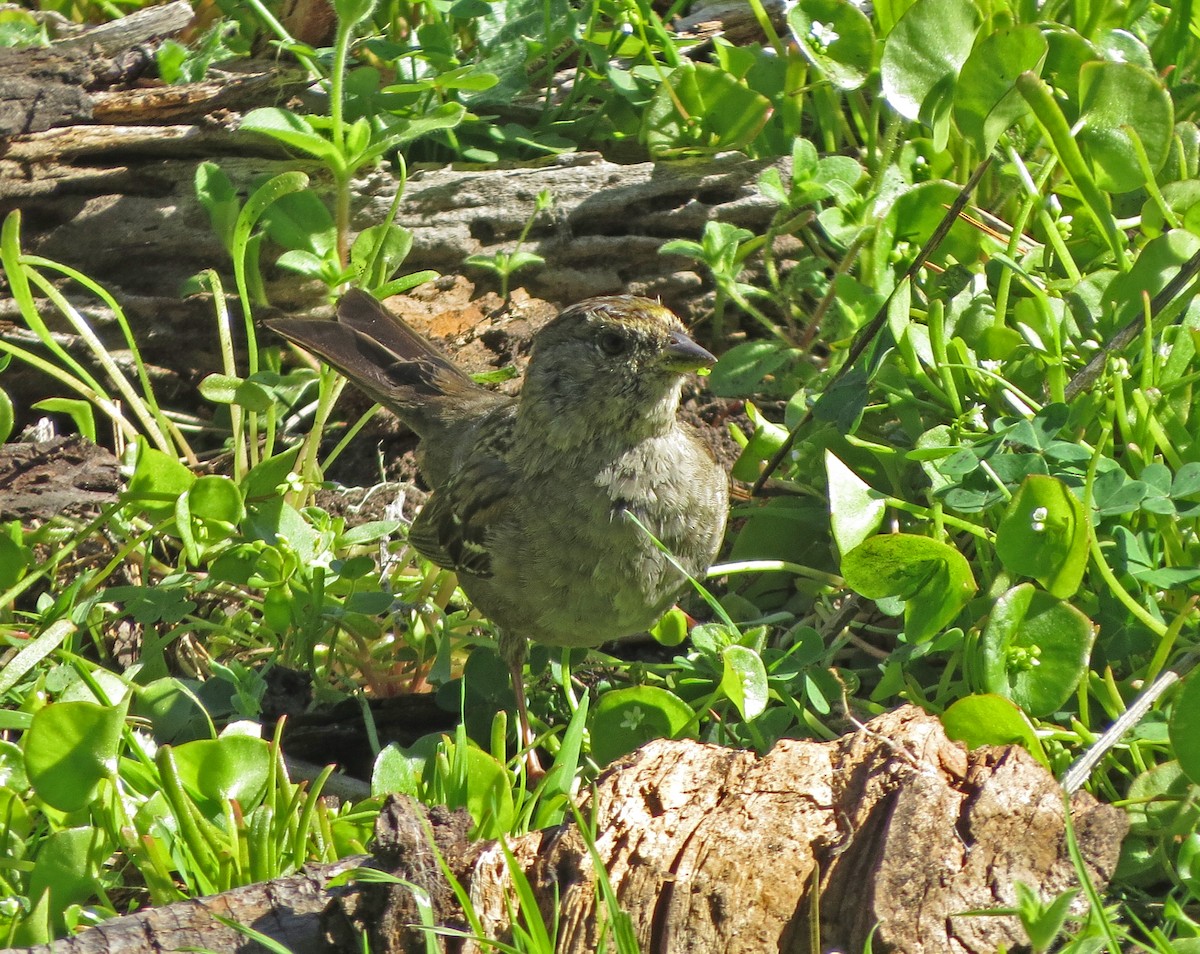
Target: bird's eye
(612,343)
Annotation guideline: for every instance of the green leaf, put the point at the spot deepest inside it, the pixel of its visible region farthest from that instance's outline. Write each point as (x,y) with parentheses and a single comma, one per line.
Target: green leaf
(70,748)
(216,498)
(230,389)
(991,720)
(1044,535)
(986,101)
(233,768)
(627,718)
(1035,649)
(742,370)
(718,112)
(766,438)
(1118,98)
(396,770)
(836,37)
(932,578)
(216,193)
(671,630)
(79,411)
(378,251)
(301,221)
(855,508)
(7,416)
(1158,262)
(14,561)
(398,131)
(66,867)
(488,793)
(292,130)
(370,532)
(1185,727)
(264,479)
(744,680)
(923,55)
(157,483)
(400,285)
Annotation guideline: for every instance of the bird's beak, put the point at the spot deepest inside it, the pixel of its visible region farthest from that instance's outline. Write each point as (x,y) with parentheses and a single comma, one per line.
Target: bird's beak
(683,354)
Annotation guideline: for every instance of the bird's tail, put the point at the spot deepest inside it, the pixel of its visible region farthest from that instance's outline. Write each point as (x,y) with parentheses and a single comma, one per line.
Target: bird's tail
(386,359)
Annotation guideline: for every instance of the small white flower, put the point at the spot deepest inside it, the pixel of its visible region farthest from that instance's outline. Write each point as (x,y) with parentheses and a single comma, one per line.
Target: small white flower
(633,718)
(1039,516)
(292,483)
(822,34)
(991,364)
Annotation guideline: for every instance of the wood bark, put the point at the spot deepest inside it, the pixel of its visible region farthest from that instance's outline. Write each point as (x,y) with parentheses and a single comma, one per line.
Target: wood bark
(285,909)
(892,828)
(105,182)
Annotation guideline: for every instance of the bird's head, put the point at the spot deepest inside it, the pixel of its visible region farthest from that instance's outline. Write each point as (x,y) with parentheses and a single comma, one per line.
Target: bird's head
(609,365)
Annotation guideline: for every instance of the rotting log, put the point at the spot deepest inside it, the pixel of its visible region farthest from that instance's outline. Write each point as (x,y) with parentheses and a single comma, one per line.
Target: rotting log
(892,828)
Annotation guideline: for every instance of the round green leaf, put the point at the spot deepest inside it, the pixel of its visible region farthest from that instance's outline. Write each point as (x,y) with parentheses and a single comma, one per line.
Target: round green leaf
(1117,98)
(671,630)
(990,720)
(14,560)
(70,748)
(216,498)
(933,579)
(1185,728)
(1044,534)
(158,481)
(488,796)
(986,102)
(744,680)
(397,771)
(12,768)
(924,53)
(66,866)
(1035,649)
(627,718)
(234,768)
(835,37)
(855,508)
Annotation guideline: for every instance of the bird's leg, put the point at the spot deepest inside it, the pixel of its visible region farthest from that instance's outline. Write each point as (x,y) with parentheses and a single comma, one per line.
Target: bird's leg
(513,650)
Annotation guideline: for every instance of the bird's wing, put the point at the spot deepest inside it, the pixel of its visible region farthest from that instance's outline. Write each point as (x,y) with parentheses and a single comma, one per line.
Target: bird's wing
(392,363)
(453,528)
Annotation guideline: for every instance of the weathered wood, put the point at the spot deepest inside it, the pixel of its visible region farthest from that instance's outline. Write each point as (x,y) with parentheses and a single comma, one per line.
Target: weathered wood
(285,909)
(61,476)
(42,88)
(124,32)
(892,827)
(602,235)
(136,225)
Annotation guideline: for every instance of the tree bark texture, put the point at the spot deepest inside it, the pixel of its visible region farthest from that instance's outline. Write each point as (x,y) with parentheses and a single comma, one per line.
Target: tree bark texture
(102,166)
(892,828)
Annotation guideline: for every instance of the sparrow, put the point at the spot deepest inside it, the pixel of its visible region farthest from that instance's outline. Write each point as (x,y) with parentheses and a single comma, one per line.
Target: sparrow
(534,496)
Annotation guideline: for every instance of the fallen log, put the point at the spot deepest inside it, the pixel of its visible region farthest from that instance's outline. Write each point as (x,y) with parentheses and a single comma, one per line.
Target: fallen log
(892,828)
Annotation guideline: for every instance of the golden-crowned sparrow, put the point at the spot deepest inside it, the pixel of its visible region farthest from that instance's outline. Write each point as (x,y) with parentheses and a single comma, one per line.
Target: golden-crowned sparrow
(532,495)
